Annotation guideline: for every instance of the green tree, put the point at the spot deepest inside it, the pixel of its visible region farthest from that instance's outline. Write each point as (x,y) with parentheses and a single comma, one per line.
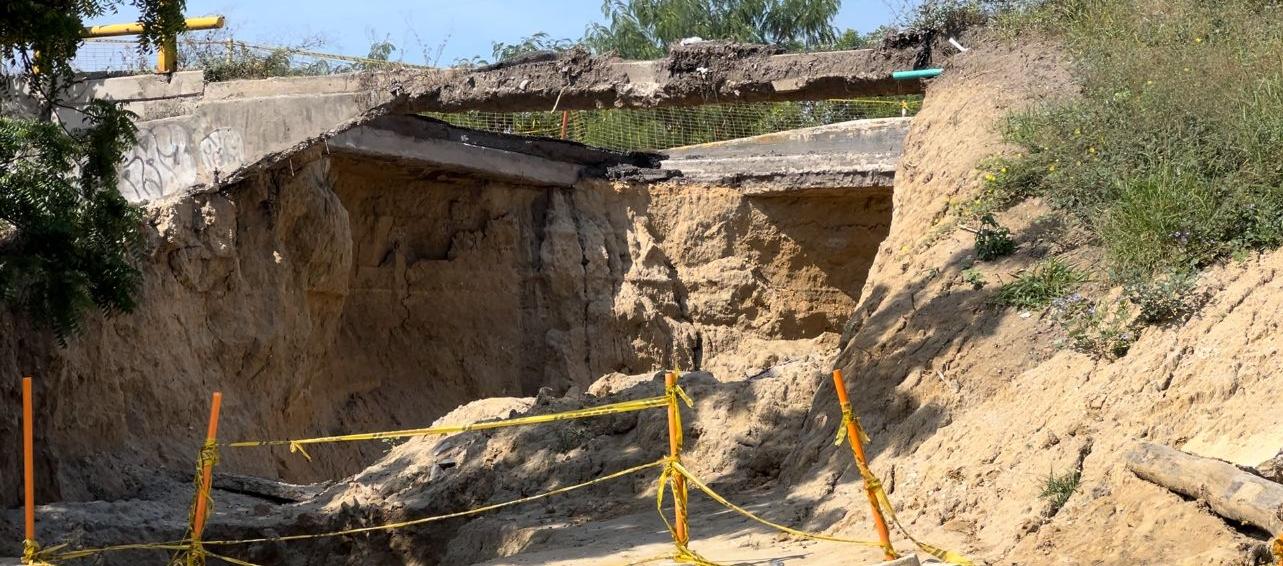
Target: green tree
(644,29)
(68,240)
(539,42)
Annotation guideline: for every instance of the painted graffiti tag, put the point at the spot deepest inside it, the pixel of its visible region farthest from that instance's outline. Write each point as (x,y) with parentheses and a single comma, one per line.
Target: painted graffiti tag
(160,164)
(221,151)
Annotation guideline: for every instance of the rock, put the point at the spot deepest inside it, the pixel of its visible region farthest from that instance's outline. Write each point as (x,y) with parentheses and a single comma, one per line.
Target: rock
(1272,469)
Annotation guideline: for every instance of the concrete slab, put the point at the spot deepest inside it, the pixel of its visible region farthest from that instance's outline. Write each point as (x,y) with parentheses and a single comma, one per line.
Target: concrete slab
(483,161)
(221,137)
(193,134)
(287,86)
(910,560)
(877,137)
(856,155)
(141,87)
(436,144)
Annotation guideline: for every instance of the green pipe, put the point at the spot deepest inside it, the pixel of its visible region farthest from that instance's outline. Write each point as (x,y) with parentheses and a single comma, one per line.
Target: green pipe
(918,74)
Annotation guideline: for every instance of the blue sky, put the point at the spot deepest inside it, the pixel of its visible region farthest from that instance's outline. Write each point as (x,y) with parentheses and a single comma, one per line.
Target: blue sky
(464,27)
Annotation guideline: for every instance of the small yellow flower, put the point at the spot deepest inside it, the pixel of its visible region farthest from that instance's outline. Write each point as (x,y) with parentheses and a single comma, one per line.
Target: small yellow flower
(1078,131)
(989,177)
(1003,170)
(1149,83)
(1051,168)
(1091,150)
(1198,40)
(1079,162)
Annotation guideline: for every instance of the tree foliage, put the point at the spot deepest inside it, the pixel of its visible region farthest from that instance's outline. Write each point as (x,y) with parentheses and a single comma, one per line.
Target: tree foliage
(535,43)
(46,34)
(644,29)
(68,240)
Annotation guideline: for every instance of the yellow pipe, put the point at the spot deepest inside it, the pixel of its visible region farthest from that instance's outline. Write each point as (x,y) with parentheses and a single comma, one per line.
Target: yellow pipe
(114,30)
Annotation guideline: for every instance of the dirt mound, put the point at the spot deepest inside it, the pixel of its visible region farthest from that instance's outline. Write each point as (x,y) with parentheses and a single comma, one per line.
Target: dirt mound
(972,406)
(733,438)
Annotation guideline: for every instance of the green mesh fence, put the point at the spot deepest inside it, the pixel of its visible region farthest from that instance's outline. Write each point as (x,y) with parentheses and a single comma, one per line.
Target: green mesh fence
(664,128)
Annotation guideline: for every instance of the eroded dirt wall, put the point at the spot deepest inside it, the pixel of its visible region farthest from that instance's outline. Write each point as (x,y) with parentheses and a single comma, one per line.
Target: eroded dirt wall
(241,292)
(465,288)
(341,294)
(762,274)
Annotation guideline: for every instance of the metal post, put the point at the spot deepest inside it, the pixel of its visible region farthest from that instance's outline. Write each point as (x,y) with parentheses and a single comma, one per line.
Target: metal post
(675,452)
(207,472)
(857,446)
(167,56)
(28,462)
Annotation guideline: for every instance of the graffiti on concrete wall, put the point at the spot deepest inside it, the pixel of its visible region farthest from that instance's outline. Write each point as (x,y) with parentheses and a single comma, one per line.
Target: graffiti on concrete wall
(160,162)
(164,161)
(221,151)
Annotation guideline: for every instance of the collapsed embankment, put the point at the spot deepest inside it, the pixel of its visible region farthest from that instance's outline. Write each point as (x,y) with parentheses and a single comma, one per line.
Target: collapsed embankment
(970,406)
(342,293)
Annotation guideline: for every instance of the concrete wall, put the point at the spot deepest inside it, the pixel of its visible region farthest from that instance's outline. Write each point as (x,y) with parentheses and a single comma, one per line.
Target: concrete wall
(221,136)
(861,154)
(191,133)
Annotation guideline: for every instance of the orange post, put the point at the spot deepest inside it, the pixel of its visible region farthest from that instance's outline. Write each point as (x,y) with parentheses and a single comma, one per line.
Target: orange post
(857,446)
(565,123)
(28,460)
(207,472)
(675,452)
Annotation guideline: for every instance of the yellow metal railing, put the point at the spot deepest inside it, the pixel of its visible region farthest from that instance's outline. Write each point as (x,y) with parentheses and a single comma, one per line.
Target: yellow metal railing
(167,56)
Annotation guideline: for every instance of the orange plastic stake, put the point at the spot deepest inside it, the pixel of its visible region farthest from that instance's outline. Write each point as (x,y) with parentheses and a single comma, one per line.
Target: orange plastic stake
(207,474)
(675,451)
(853,434)
(565,123)
(28,460)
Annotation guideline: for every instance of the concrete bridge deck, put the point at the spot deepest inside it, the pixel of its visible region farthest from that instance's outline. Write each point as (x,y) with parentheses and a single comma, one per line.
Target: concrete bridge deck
(197,134)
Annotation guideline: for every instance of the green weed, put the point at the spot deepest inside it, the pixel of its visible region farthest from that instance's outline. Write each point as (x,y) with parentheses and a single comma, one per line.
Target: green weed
(1171,156)
(1095,329)
(993,240)
(1039,286)
(1167,299)
(974,277)
(1057,489)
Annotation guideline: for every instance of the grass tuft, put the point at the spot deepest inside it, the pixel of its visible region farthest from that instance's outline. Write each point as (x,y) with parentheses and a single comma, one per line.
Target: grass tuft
(1057,489)
(1038,287)
(1171,156)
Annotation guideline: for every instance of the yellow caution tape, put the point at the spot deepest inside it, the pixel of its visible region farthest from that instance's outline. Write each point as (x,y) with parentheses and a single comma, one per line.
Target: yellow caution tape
(872,483)
(296,445)
(849,416)
(179,546)
(676,467)
(671,395)
(56,554)
(51,555)
(31,553)
(420,521)
(194,554)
